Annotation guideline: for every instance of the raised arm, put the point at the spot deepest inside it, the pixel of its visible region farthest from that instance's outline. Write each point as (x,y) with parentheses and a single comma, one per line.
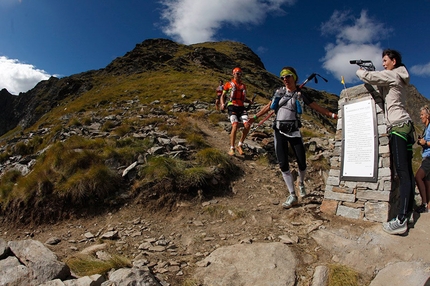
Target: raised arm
(322,110)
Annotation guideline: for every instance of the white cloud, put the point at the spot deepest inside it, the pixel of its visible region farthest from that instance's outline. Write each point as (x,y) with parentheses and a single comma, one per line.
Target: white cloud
(190,21)
(356,38)
(8,3)
(262,50)
(421,70)
(18,77)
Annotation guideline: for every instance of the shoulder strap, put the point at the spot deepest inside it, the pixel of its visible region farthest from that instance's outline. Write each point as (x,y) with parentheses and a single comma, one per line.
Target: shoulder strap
(285,102)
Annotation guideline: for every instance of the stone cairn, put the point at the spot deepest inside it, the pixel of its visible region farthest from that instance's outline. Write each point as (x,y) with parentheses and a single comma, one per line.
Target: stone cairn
(360,199)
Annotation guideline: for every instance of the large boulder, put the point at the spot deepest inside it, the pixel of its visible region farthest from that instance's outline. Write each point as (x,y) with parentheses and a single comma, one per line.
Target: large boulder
(249,264)
(41,262)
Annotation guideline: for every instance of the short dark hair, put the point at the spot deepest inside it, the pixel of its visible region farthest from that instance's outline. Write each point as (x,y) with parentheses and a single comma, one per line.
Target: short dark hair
(393,54)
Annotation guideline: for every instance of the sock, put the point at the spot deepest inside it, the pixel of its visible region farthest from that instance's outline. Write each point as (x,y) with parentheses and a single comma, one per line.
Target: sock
(239,144)
(302,176)
(288,179)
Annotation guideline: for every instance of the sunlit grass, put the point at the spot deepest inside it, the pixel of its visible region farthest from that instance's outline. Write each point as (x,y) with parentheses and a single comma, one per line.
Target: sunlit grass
(309,133)
(73,170)
(214,157)
(161,167)
(28,147)
(196,140)
(194,176)
(86,265)
(340,275)
(7,182)
(220,211)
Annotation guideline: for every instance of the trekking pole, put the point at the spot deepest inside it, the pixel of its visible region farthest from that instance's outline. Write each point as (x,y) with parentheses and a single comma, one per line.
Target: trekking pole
(252,100)
(300,87)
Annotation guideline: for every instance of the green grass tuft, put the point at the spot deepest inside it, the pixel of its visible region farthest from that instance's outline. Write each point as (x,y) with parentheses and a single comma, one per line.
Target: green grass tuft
(195,176)
(214,157)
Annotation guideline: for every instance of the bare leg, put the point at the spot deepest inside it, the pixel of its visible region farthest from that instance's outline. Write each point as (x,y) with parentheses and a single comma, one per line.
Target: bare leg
(246,127)
(233,134)
(427,192)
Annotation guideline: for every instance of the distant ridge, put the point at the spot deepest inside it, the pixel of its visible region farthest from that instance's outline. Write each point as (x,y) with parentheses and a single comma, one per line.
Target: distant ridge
(200,65)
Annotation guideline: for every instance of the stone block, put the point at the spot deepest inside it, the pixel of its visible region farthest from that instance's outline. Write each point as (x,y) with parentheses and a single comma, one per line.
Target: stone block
(329,206)
(342,190)
(333,181)
(334,162)
(387,185)
(376,211)
(384,149)
(334,173)
(373,195)
(382,129)
(383,172)
(383,140)
(381,119)
(356,205)
(348,212)
(330,195)
(368,185)
(351,185)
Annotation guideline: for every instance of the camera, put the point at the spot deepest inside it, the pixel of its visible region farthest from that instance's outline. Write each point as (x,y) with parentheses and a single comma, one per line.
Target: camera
(365,64)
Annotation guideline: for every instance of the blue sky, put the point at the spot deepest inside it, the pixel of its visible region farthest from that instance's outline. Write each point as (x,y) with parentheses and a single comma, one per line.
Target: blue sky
(64,37)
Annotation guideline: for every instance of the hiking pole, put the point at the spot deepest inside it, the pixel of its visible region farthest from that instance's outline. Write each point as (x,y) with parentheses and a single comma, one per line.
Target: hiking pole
(300,87)
(316,81)
(252,100)
(308,79)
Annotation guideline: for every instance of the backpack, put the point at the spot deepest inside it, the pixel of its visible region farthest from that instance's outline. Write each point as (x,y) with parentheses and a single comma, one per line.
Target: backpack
(293,122)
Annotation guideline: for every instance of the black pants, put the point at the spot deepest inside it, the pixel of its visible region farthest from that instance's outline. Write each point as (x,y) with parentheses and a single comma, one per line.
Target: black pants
(402,163)
(281,149)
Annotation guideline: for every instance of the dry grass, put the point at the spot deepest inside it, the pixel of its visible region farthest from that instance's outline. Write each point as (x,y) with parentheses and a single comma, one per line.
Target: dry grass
(340,275)
(85,265)
(220,211)
(73,170)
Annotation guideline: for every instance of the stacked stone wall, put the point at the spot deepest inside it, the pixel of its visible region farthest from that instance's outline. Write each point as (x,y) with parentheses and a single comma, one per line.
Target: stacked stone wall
(365,200)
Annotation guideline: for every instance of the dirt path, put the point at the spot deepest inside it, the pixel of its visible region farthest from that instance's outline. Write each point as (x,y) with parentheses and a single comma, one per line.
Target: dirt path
(251,212)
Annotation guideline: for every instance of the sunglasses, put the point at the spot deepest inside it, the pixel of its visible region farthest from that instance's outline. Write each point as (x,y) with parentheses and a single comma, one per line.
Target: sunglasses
(286,76)
(238,73)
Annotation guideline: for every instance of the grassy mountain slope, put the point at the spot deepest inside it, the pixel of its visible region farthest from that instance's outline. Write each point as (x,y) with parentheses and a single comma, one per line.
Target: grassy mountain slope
(73,170)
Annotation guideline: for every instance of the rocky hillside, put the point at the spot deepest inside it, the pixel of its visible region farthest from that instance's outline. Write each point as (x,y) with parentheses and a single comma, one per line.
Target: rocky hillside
(192,70)
(144,87)
(138,149)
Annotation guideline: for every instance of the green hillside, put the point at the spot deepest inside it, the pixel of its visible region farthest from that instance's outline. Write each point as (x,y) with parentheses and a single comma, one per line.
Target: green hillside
(79,133)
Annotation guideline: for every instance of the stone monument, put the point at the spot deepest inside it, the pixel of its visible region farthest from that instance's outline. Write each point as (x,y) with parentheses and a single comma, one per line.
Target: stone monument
(360,184)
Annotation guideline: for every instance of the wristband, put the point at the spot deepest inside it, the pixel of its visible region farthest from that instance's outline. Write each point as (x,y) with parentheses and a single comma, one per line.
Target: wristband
(255,117)
(333,115)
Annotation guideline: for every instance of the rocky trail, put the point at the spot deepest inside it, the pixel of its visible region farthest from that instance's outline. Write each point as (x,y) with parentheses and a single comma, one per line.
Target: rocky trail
(174,242)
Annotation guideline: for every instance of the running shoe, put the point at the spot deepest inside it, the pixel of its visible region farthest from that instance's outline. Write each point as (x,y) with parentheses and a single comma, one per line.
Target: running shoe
(239,149)
(422,209)
(291,200)
(395,226)
(302,190)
